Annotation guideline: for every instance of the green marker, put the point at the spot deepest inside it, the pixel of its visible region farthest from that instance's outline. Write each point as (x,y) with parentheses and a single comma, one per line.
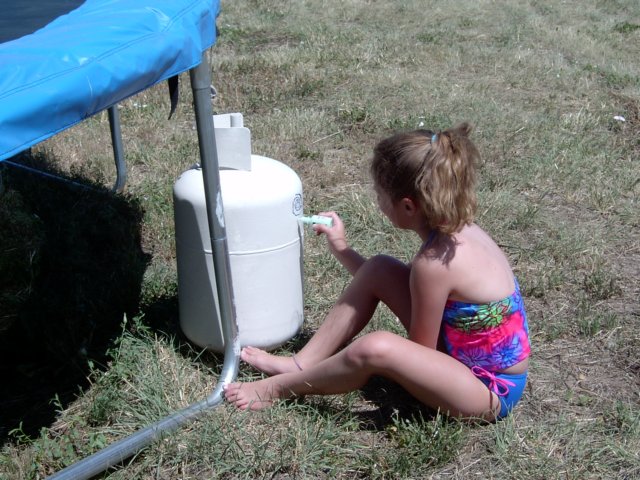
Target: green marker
(328,221)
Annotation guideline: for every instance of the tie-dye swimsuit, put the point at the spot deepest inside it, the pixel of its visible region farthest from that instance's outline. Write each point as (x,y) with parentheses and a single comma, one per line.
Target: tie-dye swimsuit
(487,338)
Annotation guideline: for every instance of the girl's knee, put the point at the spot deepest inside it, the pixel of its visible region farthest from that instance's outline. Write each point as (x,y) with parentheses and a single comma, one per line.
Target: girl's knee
(383,263)
(383,271)
(371,351)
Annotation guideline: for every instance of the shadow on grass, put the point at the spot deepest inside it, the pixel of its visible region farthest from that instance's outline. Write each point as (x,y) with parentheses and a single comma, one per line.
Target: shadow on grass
(392,402)
(71,267)
(162,316)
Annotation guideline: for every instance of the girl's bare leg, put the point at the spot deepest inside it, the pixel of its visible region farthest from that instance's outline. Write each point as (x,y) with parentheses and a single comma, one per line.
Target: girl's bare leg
(432,377)
(381,278)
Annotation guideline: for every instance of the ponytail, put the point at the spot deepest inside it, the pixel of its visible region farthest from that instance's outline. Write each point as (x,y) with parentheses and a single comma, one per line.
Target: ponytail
(435,169)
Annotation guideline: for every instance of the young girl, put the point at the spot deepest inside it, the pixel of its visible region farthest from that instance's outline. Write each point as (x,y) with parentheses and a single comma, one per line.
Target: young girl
(467,346)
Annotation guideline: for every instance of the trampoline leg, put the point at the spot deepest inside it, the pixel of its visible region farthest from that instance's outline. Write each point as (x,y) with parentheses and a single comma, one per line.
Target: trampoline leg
(118,154)
(118,151)
(201,86)
(124,448)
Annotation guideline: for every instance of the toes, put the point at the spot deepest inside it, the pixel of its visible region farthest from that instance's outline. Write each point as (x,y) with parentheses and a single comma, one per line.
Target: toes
(252,351)
(231,391)
(249,354)
(246,399)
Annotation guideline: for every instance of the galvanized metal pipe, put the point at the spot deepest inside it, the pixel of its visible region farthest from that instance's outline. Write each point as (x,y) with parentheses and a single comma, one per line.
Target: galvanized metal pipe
(118,149)
(125,448)
(49,176)
(118,156)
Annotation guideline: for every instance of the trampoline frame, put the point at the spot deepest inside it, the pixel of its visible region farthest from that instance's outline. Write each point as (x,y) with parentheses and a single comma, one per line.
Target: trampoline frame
(200,77)
(121,450)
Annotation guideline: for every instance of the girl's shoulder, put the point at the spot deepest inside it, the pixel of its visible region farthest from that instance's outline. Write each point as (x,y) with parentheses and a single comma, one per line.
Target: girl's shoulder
(460,248)
(434,260)
(470,263)
(430,280)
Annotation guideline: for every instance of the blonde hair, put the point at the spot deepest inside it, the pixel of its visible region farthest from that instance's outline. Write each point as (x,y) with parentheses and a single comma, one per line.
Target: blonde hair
(435,169)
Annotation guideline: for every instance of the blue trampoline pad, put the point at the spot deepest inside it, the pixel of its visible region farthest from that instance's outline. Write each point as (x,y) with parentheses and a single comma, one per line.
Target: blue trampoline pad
(90,56)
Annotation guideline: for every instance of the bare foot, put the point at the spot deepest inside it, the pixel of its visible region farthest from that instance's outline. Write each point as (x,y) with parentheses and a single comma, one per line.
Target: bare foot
(254,395)
(268,363)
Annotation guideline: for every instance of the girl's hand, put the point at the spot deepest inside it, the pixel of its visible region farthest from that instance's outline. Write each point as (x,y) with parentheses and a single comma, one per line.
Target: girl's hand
(337,241)
(336,237)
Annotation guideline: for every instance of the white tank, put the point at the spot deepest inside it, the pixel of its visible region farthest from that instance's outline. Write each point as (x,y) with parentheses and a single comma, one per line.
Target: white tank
(262,206)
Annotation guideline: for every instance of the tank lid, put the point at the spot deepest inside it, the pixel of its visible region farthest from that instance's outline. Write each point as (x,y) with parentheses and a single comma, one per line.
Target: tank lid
(233,141)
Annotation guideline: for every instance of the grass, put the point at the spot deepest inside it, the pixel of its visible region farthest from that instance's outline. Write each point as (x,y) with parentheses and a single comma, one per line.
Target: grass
(319,83)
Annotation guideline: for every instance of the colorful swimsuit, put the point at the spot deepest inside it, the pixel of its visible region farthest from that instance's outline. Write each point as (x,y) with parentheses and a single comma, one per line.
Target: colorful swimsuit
(487,338)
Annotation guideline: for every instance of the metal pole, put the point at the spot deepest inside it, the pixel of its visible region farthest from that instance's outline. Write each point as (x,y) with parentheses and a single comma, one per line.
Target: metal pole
(49,176)
(201,86)
(123,449)
(118,155)
(118,150)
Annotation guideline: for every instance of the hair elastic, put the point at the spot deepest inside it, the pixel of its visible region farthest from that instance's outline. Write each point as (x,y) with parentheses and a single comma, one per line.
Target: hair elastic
(434,138)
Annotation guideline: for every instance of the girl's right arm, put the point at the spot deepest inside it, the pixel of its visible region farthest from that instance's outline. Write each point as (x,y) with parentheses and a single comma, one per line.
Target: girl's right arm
(336,239)
(430,284)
